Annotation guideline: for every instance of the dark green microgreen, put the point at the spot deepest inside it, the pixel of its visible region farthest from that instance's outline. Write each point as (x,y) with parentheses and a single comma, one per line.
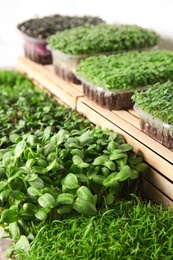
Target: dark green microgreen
(91,39)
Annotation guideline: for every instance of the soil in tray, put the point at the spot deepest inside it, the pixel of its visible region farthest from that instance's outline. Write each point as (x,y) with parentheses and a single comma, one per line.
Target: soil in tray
(42,57)
(110,100)
(66,74)
(160,136)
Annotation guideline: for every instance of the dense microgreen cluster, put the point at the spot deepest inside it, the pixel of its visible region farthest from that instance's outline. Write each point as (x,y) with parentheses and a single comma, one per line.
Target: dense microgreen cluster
(52,162)
(45,176)
(157,100)
(128,70)
(131,230)
(89,39)
(43,27)
(27,109)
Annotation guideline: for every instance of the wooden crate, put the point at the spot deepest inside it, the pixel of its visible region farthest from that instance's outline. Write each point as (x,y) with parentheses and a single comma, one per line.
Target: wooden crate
(157,183)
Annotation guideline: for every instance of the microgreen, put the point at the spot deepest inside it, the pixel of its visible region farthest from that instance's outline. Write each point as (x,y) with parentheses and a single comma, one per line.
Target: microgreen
(157,100)
(89,39)
(43,27)
(128,70)
(27,109)
(49,168)
(130,230)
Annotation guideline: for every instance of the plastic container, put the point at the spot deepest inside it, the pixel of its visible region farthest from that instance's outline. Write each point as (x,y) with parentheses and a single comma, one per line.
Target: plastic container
(110,99)
(155,128)
(65,64)
(36,50)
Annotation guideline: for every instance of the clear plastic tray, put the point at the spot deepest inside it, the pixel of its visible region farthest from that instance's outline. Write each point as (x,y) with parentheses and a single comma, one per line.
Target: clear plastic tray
(65,64)
(155,128)
(36,50)
(110,99)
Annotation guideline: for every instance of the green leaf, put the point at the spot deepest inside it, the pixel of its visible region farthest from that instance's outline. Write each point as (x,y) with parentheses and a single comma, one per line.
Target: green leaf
(110,165)
(109,199)
(110,180)
(37,183)
(84,193)
(32,191)
(93,170)
(46,201)
(126,147)
(31,140)
(30,162)
(140,167)
(124,173)
(17,195)
(41,214)
(65,198)
(71,181)
(59,137)
(14,138)
(39,169)
(49,148)
(15,173)
(82,177)
(4,195)
(117,156)
(86,138)
(99,179)
(64,209)
(31,177)
(84,207)
(3,184)
(134,175)
(47,132)
(14,230)
(77,152)
(29,208)
(83,165)
(22,244)
(100,160)
(9,215)
(52,165)
(20,147)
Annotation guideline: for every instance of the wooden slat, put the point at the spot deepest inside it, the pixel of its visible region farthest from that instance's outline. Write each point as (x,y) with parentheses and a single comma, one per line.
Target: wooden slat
(75,90)
(125,115)
(4,244)
(133,112)
(155,195)
(68,94)
(159,182)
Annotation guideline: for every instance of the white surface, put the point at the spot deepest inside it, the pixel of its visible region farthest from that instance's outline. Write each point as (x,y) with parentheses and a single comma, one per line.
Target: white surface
(154,14)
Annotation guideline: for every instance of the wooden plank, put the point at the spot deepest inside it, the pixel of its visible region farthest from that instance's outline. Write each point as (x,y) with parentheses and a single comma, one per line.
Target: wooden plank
(48,71)
(155,195)
(133,112)
(159,182)
(4,244)
(140,141)
(48,84)
(130,118)
(78,87)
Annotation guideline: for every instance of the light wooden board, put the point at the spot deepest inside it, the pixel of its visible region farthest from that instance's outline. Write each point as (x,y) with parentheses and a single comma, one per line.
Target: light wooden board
(50,81)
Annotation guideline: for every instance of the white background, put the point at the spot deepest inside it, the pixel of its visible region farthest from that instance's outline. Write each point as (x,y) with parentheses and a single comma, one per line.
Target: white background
(153,14)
